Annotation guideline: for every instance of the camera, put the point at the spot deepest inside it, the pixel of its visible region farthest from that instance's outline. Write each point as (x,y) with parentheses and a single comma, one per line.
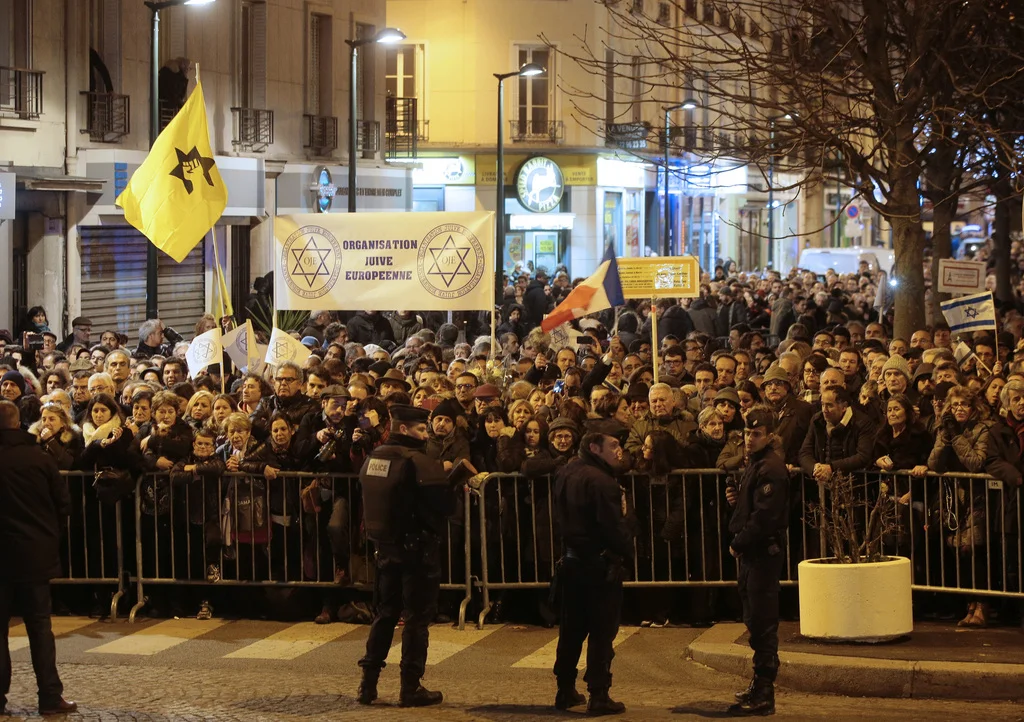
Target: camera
(32,341)
(172,336)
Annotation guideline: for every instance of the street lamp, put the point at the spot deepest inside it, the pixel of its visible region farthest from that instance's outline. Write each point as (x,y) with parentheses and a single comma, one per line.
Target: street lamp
(771,185)
(152,284)
(527,71)
(688,104)
(385,37)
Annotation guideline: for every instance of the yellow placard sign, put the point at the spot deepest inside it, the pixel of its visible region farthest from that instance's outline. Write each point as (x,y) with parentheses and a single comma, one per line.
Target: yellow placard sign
(668,277)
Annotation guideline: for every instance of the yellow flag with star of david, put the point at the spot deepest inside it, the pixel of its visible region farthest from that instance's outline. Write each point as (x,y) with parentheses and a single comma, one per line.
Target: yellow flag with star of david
(177,195)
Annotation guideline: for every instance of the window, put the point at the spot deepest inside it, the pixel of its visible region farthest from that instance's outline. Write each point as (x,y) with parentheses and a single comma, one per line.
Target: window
(252,63)
(20,92)
(690,8)
(403,71)
(709,12)
(664,13)
(319,95)
(105,46)
(534,94)
(637,96)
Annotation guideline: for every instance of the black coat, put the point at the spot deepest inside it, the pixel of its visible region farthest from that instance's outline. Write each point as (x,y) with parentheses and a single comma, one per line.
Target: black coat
(675,321)
(536,303)
(847,449)
(588,507)
(365,328)
(34,502)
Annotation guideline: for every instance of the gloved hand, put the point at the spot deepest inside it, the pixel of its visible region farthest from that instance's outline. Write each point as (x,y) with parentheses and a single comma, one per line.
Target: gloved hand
(950,426)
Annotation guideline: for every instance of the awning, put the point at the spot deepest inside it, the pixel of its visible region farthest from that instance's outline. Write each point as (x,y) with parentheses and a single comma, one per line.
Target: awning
(40,182)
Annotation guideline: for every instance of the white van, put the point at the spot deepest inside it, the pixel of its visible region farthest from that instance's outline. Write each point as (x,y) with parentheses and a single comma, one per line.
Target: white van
(845,260)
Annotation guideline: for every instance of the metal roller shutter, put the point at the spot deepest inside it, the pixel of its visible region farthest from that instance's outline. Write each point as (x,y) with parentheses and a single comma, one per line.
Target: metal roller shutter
(114,283)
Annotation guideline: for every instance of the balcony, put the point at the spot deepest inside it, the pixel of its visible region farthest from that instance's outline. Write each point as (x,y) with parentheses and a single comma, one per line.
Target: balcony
(107,116)
(254,129)
(367,136)
(321,134)
(521,131)
(21,93)
(401,128)
(627,136)
(167,113)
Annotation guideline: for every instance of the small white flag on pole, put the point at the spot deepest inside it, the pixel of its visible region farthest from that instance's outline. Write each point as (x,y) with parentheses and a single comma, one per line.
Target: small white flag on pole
(240,344)
(970,313)
(283,347)
(204,350)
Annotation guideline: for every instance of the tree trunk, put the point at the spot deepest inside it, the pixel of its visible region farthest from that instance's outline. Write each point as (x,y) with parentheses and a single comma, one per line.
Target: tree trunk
(908,244)
(942,247)
(1001,241)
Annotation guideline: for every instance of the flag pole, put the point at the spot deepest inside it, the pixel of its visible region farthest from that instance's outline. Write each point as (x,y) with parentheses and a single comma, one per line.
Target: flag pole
(654,339)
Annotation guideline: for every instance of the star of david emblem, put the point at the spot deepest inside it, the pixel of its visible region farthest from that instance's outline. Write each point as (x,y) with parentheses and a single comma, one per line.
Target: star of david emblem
(243,343)
(190,163)
(438,254)
(313,259)
(283,351)
(205,350)
(971,312)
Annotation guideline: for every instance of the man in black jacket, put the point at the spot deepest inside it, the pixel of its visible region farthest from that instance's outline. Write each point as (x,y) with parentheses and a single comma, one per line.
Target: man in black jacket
(33,502)
(288,399)
(370,327)
(758,525)
(537,300)
(590,507)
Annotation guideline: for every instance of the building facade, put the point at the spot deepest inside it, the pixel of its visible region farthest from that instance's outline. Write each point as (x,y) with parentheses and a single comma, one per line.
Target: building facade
(75,105)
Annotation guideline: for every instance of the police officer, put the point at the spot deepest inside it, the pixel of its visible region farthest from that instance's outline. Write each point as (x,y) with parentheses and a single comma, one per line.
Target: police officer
(597,535)
(406,500)
(759,525)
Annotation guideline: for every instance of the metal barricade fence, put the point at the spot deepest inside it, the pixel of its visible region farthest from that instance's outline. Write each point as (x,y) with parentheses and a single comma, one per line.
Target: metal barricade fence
(91,544)
(962,532)
(298,529)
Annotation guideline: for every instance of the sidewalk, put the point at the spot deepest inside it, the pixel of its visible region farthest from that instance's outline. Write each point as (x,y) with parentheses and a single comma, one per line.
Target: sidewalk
(937,661)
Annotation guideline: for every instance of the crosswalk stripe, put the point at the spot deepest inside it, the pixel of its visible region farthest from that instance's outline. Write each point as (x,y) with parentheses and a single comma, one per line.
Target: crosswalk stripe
(18,636)
(445,641)
(544,658)
(160,637)
(294,641)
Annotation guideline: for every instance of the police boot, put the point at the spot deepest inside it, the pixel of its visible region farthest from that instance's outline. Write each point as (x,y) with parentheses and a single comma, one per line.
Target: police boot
(745,694)
(601,704)
(368,687)
(418,696)
(567,695)
(760,703)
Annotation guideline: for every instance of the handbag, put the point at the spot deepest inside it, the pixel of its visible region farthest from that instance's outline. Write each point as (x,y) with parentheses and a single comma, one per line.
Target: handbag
(249,517)
(112,485)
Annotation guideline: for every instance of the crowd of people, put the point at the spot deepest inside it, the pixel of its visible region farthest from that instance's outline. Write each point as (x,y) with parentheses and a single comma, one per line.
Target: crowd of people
(846,396)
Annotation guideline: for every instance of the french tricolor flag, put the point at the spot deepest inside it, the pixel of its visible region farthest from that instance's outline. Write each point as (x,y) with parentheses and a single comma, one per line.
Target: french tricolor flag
(602,290)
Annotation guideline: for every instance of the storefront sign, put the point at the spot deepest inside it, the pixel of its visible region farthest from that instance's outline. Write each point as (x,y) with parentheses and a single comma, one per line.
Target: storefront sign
(668,277)
(539,184)
(324,189)
(7,196)
(961,276)
(577,170)
(445,171)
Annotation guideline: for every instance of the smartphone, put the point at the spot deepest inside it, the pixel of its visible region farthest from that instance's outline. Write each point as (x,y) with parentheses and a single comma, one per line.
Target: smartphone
(560,386)
(32,341)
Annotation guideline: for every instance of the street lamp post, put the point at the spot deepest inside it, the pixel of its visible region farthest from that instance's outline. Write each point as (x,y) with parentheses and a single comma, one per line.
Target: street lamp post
(528,70)
(152,277)
(771,187)
(688,104)
(385,36)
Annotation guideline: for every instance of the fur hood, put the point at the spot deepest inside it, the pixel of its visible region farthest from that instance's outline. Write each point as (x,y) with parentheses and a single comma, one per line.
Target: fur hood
(66,436)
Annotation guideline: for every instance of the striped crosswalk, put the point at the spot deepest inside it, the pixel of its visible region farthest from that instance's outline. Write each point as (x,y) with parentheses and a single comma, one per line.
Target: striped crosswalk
(236,641)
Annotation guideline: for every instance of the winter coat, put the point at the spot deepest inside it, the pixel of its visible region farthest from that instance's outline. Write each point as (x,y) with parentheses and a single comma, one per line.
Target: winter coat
(199,490)
(703,316)
(965,451)
(34,504)
(847,448)
(65,448)
(367,328)
(907,450)
(680,425)
(783,317)
(402,327)
(536,302)
(117,455)
(674,321)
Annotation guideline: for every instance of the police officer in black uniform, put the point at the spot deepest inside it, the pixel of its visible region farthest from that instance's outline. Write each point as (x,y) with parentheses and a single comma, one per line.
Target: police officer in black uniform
(759,525)
(597,534)
(406,500)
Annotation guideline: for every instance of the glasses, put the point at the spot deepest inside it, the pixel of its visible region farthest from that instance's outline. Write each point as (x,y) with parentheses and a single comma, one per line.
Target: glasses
(562,437)
(959,405)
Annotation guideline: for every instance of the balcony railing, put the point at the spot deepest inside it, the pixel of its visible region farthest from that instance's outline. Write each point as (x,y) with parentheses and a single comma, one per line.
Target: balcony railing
(107,116)
(531,130)
(367,136)
(254,129)
(401,128)
(167,112)
(423,131)
(321,133)
(21,93)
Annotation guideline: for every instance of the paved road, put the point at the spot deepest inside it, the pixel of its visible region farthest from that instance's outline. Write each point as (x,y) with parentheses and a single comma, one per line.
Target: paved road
(184,669)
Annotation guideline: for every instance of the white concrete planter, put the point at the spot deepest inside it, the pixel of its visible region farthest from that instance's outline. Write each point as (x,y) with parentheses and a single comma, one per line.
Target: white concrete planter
(855,602)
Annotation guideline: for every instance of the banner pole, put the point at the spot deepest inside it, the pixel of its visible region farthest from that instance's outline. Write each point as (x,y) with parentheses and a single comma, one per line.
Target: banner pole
(654,339)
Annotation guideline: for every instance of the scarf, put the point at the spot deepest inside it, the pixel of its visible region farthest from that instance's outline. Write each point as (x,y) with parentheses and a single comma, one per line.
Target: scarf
(92,433)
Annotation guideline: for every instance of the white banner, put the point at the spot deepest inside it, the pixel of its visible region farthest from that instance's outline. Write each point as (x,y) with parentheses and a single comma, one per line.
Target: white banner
(283,347)
(240,344)
(204,350)
(384,261)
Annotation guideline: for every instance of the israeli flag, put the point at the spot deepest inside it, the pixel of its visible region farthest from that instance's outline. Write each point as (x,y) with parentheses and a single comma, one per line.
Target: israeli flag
(970,313)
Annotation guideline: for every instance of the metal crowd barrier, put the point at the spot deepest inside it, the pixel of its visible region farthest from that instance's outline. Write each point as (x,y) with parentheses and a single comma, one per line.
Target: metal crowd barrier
(962,532)
(91,545)
(297,530)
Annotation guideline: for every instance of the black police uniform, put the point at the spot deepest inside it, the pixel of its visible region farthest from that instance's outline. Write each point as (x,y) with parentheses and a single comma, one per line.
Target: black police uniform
(759,524)
(406,501)
(597,538)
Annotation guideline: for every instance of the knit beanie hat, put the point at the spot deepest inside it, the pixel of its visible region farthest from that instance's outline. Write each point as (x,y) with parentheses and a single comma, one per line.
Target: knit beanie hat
(17,378)
(899,363)
(450,408)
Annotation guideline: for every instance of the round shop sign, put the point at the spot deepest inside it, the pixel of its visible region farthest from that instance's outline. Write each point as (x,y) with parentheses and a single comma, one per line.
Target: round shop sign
(539,184)
(324,189)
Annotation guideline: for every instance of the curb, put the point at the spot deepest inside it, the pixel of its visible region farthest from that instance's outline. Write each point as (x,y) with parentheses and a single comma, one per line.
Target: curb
(864,677)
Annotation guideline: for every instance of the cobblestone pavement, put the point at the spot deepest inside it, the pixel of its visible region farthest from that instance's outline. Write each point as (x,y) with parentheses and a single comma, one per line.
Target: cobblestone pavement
(184,670)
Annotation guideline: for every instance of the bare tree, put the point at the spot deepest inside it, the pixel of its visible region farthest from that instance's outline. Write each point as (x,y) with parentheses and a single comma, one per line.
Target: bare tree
(874,88)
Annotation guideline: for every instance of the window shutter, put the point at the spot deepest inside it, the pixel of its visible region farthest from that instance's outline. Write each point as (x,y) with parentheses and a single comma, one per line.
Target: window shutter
(111,39)
(258,91)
